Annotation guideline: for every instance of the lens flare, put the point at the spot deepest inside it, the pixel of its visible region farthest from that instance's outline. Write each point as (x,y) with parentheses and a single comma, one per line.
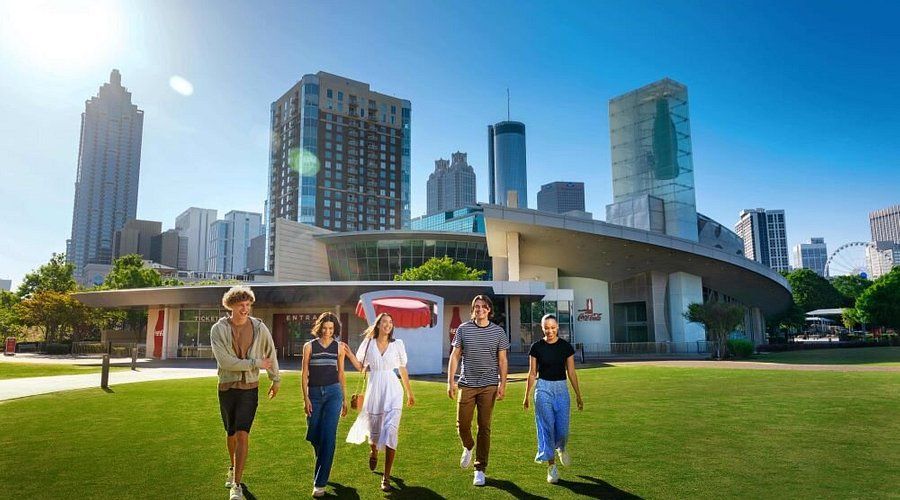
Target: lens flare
(304,162)
(181,85)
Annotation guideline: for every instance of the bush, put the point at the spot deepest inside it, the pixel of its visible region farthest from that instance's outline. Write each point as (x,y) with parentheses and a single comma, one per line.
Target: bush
(740,348)
(52,348)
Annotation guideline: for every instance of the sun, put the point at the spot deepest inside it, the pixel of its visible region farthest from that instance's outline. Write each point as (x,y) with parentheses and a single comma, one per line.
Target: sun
(59,36)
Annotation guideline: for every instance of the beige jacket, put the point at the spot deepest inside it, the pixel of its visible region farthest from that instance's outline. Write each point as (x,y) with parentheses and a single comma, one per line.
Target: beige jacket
(230,365)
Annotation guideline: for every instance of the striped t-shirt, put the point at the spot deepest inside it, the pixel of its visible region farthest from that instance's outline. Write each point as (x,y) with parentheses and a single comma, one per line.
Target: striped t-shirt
(323,363)
(480,346)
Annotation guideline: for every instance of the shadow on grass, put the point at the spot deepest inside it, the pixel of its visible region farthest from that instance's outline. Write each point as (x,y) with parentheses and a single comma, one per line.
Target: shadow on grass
(403,490)
(513,489)
(595,488)
(341,491)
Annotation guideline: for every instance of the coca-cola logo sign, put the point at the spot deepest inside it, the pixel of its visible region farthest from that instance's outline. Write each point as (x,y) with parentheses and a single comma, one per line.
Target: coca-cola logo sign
(588,314)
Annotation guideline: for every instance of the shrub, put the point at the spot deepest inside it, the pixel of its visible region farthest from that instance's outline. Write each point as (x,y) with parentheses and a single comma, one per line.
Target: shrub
(741,348)
(53,348)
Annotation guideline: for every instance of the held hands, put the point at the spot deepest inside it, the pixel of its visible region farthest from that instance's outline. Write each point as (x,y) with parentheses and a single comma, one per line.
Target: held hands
(273,390)
(579,402)
(451,390)
(307,407)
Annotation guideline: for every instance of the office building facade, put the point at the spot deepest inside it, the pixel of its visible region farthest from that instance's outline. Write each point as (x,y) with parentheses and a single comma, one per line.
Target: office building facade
(194,224)
(812,255)
(229,241)
(462,220)
(171,249)
(134,238)
(339,157)
(109,165)
(507,169)
(885,224)
(765,237)
(451,185)
(561,197)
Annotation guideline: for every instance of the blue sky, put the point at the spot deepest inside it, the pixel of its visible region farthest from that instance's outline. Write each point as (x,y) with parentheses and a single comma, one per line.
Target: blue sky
(793,105)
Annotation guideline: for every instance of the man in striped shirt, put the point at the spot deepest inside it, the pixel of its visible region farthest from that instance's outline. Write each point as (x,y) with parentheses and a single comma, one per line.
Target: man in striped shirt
(481,347)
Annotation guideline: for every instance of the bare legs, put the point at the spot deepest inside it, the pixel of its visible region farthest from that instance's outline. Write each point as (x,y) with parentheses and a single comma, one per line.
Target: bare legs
(238,445)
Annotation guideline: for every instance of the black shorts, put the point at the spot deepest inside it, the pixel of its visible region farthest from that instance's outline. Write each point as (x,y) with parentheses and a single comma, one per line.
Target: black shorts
(238,407)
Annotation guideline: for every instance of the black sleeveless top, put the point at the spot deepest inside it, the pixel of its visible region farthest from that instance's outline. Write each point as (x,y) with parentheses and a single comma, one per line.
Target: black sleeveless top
(323,363)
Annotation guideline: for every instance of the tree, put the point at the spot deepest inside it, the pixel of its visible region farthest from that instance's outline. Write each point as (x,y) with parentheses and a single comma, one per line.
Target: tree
(719,319)
(792,319)
(57,275)
(851,287)
(129,271)
(812,291)
(440,269)
(9,319)
(881,301)
(852,317)
(56,313)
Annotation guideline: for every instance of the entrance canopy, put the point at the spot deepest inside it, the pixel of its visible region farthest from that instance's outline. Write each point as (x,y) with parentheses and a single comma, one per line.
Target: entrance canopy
(406,312)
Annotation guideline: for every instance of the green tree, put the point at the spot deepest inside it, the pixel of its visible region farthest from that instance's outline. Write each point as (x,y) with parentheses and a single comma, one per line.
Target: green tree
(9,319)
(57,314)
(812,291)
(719,319)
(792,319)
(851,287)
(57,275)
(440,269)
(129,271)
(852,317)
(881,301)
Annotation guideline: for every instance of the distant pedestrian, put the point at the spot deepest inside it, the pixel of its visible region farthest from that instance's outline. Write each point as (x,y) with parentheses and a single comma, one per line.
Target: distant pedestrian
(241,345)
(550,360)
(481,347)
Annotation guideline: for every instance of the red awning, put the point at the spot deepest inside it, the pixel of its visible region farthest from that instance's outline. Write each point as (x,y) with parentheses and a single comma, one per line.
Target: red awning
(406,312)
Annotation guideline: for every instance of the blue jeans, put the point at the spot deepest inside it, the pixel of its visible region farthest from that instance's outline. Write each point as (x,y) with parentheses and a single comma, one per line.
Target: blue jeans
(551,414)
(321,427)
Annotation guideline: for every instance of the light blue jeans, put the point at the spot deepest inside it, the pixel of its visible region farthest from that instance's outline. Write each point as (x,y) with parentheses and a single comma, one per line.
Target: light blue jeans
(551,416)
(321,427)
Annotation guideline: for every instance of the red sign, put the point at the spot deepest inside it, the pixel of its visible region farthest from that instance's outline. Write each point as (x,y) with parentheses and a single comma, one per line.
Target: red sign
(588,314)
(10,346)
(158,334)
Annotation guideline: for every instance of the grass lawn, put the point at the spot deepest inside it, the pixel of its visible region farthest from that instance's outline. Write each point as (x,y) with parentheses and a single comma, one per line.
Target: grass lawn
(652,432)
(21,370)
(886,356)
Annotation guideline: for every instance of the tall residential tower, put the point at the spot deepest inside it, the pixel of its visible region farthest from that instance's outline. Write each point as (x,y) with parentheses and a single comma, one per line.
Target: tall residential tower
(106,183)
(339,157)
(765,237)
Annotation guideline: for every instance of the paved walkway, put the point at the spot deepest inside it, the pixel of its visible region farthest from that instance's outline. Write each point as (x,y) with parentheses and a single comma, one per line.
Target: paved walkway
(755,365)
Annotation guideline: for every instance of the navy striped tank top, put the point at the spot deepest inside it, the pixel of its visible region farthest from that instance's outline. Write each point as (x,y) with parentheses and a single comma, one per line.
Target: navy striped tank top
(323,363)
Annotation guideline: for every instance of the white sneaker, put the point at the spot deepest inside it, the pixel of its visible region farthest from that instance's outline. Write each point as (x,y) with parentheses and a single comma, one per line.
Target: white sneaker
(229,477)
(237,492)
(552,474)
(479,478)
(318,492)
(466,459)
(564,458)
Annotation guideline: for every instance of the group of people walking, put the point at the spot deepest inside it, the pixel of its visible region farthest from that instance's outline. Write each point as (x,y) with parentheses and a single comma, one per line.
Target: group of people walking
(242,345)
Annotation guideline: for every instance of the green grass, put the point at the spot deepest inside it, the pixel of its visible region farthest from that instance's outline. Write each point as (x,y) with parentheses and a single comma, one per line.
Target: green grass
(883,356)
(10,369)
(652,432)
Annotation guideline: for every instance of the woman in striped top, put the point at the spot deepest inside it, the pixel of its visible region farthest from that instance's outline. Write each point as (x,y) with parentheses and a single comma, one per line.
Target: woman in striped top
(324,394)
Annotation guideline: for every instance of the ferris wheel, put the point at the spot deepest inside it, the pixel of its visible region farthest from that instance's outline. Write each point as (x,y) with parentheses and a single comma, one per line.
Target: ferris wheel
(849,259)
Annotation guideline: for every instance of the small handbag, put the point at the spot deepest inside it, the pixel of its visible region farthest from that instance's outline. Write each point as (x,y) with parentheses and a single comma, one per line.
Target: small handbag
(356,399)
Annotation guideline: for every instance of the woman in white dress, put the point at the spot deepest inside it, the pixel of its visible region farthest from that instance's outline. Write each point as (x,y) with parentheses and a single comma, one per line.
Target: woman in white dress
(379,417)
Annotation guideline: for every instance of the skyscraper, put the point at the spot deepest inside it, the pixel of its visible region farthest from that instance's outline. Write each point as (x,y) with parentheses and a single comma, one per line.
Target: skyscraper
(506,163)
(229,241)
(885,224)
(652,161)
(109,165)
(561,197)
(884,254)
(193,224)
(812,255)
(451,185)
(765,237)
(339,157)
(134,238)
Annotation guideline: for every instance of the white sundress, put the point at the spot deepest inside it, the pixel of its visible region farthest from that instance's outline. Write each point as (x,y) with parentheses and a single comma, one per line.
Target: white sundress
(379,418)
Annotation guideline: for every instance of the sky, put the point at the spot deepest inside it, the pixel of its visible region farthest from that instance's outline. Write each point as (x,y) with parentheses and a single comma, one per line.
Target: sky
(793,105)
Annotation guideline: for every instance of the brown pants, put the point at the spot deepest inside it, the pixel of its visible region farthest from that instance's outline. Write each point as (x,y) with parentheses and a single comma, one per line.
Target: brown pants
(471,398)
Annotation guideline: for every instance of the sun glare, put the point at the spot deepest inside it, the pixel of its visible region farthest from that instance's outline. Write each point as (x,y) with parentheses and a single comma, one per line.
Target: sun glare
(181,85)
(60,35)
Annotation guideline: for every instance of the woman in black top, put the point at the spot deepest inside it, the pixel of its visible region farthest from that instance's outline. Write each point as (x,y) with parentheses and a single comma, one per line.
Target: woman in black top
(324,394)
(550,360)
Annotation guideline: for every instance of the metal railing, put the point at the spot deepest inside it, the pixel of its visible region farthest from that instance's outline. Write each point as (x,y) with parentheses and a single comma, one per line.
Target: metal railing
(114,349)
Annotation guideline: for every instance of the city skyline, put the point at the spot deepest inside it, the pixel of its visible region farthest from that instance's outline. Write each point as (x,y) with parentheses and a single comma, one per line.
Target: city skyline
(775,145)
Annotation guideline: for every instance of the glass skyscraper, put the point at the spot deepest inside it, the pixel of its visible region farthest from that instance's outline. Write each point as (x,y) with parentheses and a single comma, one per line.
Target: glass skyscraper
(650,137)
(106,183)
(506,163)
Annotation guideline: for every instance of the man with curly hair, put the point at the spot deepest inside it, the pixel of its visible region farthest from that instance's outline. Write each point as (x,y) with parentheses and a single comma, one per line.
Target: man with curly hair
(241,345)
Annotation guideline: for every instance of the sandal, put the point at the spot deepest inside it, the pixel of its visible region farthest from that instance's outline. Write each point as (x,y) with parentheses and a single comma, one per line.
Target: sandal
(373,460)
(385,484)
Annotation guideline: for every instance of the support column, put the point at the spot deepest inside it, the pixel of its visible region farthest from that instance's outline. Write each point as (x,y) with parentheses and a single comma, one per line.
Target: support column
(684,289)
